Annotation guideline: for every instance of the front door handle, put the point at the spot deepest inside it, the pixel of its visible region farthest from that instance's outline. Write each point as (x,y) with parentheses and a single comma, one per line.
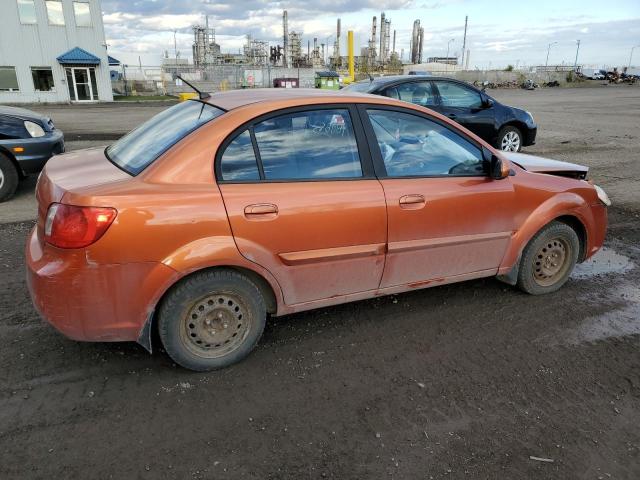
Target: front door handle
(452,116)
(261,210)
(412,202)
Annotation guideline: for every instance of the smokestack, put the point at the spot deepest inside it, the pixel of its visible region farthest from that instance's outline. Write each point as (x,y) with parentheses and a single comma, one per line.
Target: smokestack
(336,47)
(382,36)
(421,45)
(464,41)
(394,41)
(415,42)
(374,27)
(352,70)
(285,39)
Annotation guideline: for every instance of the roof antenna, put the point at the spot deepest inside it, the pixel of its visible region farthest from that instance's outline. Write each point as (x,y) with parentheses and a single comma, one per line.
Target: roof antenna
(202,95)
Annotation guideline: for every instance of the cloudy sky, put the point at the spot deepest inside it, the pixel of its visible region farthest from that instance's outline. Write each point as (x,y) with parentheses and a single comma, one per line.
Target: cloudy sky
(499,33)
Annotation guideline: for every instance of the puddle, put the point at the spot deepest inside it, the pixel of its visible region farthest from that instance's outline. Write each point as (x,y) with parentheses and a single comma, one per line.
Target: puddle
(604,262)
(621,322)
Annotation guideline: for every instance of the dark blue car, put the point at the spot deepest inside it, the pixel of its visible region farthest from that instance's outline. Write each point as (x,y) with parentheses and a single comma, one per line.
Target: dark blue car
(27,141)
(507,128)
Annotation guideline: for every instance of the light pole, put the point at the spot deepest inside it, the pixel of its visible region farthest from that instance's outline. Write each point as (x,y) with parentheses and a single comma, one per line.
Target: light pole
(631,56)
(546,63)
(575,64)
(175,50)
(447,58)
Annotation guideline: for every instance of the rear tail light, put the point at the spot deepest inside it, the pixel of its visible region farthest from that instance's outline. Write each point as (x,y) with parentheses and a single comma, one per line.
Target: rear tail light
(70,226)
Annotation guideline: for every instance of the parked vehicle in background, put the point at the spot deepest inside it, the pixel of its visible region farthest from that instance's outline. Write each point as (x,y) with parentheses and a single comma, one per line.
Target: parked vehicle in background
(27,141)
(217,212)
(504,127)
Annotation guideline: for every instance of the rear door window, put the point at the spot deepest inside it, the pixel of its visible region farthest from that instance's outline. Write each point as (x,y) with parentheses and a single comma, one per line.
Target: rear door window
(142,146)
(315,144)
(418,93)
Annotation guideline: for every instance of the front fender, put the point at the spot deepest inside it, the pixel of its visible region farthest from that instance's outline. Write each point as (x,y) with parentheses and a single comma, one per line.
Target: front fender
(559,205)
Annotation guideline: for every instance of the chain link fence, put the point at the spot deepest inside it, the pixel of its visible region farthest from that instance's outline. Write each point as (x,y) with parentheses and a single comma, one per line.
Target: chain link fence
(215,78)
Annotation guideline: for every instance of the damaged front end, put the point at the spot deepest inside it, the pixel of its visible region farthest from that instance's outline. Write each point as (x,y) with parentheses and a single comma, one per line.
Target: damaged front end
(548,166)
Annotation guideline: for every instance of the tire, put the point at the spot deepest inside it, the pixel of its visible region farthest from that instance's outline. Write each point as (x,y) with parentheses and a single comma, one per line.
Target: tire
(509,139)
(548,259)
(9,178)
(211,320)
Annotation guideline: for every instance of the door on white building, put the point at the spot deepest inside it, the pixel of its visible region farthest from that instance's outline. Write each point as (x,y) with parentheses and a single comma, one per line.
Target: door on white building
(82,84)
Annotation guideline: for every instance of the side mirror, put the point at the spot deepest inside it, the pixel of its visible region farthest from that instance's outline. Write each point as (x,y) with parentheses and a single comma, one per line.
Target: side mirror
(486,102)
(496,167)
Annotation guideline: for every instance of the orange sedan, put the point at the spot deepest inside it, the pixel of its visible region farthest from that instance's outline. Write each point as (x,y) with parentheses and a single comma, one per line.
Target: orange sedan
(220,211)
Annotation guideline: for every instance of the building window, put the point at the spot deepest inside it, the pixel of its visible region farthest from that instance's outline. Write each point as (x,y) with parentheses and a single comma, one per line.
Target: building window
(8,80)
(27,11)
(83,14)
(42,79)
(54,12)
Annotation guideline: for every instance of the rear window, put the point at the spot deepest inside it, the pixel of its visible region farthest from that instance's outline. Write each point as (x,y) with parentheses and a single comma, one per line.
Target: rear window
(139,148)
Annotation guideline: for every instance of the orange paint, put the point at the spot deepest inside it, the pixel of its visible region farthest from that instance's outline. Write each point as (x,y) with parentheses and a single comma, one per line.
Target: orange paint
(314,243)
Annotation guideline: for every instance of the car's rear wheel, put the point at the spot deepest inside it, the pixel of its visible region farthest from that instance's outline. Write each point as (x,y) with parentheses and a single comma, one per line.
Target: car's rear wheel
(548,259)
(9,178)
(212,320)
(509,139)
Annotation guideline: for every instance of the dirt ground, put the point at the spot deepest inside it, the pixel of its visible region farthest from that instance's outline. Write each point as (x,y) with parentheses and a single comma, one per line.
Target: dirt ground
(473,380)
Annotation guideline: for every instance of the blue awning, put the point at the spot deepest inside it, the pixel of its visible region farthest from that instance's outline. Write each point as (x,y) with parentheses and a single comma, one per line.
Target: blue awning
(78,56)
(114,62)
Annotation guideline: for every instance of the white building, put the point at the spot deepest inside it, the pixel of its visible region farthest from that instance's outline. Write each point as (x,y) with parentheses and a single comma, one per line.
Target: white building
(53,51)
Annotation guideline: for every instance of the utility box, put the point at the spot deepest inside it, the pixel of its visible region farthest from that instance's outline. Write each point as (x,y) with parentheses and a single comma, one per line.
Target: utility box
(286,83)
(328,80)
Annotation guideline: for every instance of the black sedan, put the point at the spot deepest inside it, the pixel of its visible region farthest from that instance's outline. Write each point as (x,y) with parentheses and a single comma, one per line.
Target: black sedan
(507,128)
(27,141)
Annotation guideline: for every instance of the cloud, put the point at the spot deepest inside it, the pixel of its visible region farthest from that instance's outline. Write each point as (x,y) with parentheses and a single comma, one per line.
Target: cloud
(146,27)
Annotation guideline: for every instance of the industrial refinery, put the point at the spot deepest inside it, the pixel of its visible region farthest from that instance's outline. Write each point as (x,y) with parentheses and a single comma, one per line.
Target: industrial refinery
(379,54)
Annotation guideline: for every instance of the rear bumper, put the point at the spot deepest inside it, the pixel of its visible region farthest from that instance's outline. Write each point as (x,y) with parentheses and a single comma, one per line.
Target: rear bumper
(92,302)
(37,150)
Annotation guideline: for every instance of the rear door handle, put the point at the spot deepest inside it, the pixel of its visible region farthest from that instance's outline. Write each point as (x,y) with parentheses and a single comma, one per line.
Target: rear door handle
(452,115)
(412,202)
(261,210)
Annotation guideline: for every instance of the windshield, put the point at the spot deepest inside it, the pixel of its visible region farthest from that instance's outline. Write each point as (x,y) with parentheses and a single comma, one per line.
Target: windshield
(139,148)
(362,87)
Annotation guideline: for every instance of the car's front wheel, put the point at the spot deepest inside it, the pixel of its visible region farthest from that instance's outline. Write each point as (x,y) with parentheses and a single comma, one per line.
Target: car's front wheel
(8,178)
(509,139)
(548,259)
(212,320)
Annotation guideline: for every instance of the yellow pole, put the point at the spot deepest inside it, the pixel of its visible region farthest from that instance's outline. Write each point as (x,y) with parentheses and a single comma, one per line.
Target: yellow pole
(352,67)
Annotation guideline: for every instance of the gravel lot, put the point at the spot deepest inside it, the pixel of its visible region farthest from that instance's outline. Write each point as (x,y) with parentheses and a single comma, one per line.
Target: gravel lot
(473,380)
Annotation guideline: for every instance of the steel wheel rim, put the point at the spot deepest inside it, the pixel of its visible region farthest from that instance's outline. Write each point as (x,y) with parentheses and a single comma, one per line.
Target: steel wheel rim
(510,142)
(215,325)
(551,262)
(1,178)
